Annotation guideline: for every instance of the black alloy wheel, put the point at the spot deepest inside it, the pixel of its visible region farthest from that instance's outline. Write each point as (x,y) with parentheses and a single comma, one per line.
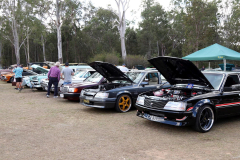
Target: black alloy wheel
(204,119)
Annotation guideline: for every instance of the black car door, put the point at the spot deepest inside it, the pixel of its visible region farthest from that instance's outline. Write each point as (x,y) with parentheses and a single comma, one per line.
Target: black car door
(230,98)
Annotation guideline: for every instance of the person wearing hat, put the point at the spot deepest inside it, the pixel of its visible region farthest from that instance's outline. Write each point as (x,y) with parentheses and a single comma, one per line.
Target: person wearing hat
(123,68)
(54,77)
(18,76)
(67,73)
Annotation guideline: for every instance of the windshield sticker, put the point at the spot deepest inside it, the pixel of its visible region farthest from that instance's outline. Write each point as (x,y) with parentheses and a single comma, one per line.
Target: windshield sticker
(190,86)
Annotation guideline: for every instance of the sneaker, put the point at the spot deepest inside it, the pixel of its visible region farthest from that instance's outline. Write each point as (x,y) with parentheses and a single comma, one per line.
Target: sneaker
(16,88)
(55,97)
(47,96)
(20,89)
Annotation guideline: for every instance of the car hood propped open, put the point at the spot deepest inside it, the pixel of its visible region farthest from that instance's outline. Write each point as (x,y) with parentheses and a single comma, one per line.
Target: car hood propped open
(109,71)
(179,71)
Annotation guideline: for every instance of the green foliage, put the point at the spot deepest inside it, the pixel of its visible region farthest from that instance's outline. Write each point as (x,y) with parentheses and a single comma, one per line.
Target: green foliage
(133,60)
(113,58)
(90,34)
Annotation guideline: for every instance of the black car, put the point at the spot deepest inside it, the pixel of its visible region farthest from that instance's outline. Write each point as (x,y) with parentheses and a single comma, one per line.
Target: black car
(122,89)
(195,98)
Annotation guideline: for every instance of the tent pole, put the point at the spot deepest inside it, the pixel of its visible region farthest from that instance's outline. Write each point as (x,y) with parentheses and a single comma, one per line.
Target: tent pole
(224,61)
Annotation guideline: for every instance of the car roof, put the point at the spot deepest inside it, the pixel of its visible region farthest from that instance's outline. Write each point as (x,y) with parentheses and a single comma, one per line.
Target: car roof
(221,72)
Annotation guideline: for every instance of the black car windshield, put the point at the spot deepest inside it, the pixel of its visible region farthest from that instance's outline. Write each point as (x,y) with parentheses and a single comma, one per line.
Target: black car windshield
(134,76)
(214,79)
(95,78)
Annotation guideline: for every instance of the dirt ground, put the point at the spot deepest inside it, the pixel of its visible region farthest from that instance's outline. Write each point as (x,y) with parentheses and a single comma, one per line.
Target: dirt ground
(35,127)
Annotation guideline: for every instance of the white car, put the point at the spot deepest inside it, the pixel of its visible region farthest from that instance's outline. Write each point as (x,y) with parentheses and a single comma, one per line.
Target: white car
(79,76)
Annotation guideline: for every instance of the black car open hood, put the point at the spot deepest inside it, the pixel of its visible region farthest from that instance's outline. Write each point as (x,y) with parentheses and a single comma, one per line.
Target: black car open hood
(109,71)
(179,71)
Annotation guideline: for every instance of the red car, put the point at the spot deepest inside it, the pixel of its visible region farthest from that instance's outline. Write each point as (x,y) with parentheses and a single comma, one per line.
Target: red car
(72,91)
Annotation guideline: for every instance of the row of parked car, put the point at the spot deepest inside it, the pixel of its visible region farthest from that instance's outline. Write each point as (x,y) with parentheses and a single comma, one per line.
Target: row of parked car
(174,93)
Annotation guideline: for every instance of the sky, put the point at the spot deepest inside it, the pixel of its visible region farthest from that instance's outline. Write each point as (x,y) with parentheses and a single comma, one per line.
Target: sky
(134,6)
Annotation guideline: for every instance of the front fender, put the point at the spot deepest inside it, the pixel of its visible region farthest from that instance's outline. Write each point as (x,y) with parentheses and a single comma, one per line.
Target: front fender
(124,92)
(199,104)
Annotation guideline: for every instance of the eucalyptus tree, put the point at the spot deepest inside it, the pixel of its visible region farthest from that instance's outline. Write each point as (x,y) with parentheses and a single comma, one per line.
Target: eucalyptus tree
(200,22)
(13,17)
(153,29)
(101,32)
(123,6)
(176,31)
(59,11)
(231,26)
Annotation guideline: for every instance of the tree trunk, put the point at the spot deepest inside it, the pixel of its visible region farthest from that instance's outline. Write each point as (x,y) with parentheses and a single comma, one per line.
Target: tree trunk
(43,45)
(149,50)
(122,24)
(28,54)
(59,37)
(16,40)
(0,53)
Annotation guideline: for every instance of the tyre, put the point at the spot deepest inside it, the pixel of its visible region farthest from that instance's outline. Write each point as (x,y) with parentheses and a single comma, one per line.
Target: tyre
(40,89)
(205,119)
(124,103)
(10,80)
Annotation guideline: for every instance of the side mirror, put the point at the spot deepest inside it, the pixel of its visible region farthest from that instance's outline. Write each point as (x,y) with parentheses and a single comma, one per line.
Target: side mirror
(236,87)
(146,80)
(144,83)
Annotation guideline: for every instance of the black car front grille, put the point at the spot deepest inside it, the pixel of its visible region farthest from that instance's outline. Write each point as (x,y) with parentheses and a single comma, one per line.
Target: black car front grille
(151,104)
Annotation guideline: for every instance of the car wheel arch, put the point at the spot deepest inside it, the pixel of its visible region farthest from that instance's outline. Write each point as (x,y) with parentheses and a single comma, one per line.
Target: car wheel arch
(202,103)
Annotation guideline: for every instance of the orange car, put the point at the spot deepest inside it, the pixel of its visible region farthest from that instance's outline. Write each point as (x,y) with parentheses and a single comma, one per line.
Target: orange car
(9,77)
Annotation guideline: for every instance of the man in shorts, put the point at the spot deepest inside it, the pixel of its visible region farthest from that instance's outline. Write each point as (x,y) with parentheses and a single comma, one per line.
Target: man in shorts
(18,76)
(68,73)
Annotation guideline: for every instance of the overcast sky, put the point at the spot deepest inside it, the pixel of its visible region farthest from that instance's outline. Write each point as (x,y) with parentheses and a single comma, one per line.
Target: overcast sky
(134,5)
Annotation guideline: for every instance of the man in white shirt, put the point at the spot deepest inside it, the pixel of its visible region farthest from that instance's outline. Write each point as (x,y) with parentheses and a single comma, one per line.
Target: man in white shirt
(123,68)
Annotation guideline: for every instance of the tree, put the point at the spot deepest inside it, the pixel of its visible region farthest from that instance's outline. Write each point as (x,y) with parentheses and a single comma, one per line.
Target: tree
(13,16)
(201,24)
(62,10)
(153,29)
(230,30)
(122,5)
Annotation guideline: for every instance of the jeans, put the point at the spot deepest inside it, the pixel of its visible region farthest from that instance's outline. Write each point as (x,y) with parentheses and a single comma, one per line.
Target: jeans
(66,83)
(54,81)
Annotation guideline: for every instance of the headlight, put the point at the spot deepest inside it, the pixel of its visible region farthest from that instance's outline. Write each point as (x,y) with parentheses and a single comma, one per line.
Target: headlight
(82,92)
(73,90)
(140,100)
(175,106)
(101,95)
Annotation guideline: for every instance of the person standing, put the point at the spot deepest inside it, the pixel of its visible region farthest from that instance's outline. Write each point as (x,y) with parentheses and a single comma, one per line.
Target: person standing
(18,76)
(68,73)
(123,68)
(54,77)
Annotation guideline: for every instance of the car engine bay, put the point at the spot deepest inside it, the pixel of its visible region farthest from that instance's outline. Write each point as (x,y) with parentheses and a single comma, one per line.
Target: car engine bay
(174,94)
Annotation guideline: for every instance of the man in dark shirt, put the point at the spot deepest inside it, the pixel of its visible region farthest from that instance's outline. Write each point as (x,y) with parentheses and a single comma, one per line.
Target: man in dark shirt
(54,77)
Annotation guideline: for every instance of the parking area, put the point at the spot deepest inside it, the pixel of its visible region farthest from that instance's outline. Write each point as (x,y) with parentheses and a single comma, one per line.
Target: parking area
(35,127)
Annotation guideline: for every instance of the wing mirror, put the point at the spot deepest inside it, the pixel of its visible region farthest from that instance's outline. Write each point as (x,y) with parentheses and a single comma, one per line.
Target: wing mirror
(144,83)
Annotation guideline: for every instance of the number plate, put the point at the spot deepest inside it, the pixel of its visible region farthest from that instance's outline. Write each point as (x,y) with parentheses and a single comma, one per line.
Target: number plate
(46,88)
(153,118)
(86,101)
(61,95)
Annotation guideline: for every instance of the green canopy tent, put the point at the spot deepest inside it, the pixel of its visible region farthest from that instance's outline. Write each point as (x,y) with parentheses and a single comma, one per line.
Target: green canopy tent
(214,52)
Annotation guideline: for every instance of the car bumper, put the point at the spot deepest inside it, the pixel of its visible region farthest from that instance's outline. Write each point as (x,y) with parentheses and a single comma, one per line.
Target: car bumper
(98,102)
(175,118)
(70,96)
